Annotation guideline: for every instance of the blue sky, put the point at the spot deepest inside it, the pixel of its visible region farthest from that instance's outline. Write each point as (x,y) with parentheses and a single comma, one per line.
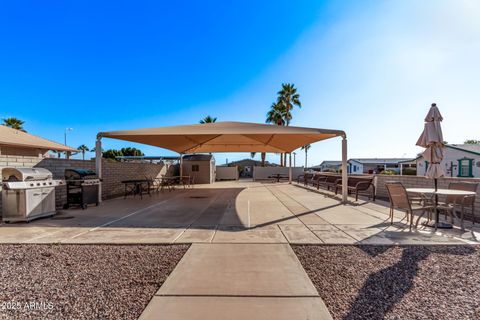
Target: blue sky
(370,68)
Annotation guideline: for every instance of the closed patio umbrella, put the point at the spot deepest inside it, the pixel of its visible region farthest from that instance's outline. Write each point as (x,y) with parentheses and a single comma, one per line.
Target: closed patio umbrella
(432,139)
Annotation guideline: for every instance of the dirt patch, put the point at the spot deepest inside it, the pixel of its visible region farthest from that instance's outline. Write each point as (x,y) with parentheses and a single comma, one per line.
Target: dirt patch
(395,282)
(82,281)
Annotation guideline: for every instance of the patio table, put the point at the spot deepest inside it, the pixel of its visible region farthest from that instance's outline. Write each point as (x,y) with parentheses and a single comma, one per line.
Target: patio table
(135,186)
(432,192)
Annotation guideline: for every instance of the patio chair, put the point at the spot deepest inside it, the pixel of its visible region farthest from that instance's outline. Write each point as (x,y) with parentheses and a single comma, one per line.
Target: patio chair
(167,183)
(305,178)
(452,202)
(399,199)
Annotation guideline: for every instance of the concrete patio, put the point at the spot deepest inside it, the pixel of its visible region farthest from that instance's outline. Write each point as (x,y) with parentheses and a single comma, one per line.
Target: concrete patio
(232,212)
(240,264)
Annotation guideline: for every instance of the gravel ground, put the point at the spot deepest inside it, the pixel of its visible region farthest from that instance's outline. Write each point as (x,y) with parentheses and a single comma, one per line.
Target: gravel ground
(390,282)
(82,281)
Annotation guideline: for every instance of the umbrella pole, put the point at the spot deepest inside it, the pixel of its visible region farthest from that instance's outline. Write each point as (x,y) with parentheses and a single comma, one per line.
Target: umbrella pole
(437,215)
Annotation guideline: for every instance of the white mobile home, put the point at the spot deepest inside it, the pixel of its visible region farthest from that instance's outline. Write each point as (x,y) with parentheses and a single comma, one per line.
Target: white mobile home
(460,160)
(377,165)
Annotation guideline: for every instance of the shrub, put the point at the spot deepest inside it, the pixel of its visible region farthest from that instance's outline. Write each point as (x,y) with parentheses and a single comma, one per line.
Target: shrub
(388,172)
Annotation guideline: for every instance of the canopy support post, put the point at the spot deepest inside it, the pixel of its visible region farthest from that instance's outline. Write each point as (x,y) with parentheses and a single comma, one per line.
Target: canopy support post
(181,165)
(344,171)
(290,168)
(98,164)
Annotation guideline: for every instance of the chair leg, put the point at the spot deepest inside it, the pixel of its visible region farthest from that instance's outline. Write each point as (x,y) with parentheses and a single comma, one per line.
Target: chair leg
(391,215)
(473,214)
(461,218)
(416,224)
(411,219)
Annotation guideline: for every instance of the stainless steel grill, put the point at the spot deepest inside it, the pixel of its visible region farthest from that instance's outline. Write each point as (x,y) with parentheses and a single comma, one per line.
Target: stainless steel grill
(27,194)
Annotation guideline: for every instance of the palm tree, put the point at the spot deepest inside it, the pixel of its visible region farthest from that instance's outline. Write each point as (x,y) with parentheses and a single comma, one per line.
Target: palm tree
(306,147)
(208,119)
(263,155)
(14,123)
(84,149)
(276,115)
(289,97)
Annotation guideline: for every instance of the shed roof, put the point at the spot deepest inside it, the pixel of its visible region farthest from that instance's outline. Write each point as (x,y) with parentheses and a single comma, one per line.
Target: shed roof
(15,138)
(197,157)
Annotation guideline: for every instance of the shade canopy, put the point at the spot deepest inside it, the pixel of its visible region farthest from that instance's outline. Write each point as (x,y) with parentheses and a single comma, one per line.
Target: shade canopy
(15,138)
(226,137)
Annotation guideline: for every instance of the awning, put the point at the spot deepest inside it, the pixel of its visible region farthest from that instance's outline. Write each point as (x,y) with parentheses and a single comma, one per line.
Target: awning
(226,137)
(15,138)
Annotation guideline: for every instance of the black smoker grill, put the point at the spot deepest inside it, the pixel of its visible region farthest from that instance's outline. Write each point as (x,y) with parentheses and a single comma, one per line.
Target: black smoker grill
(82,187)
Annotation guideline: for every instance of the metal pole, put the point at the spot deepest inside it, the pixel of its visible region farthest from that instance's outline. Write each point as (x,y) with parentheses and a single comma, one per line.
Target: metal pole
(344,171)
(98,164)
(181,165)
(290,168)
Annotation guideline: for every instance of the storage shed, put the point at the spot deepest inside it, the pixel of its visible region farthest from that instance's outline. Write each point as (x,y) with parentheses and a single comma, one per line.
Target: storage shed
(199,166)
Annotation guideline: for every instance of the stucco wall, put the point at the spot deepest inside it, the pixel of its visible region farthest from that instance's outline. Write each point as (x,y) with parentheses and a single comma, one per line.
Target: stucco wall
(226,173)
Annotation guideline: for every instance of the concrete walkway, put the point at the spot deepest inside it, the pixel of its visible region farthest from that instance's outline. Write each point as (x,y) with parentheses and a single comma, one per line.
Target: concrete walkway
(237,281)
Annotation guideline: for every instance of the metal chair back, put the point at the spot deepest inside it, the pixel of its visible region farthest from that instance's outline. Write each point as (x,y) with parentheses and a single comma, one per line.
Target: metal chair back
(398,196)
(464,186)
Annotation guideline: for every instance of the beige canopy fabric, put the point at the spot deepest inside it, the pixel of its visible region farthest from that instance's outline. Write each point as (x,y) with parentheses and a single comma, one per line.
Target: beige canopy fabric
(432,139)
(226,137)
(15,138)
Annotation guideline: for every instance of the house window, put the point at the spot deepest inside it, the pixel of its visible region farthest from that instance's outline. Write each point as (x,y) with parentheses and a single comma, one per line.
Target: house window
(465,167)
(354,168)
(195,168)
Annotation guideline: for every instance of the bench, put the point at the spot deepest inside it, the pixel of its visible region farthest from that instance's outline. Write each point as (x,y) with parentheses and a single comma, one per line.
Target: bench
(328,181)
(305,178)
(358,185)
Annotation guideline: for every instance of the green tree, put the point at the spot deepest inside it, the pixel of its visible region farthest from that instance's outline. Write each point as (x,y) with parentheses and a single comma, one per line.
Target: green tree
(306,148)
(111,154)
(83,148)
(124,152)
(472,142)
(288,98)
(281,111)
(208,119)
(276,115)
(131,152)
(14,123)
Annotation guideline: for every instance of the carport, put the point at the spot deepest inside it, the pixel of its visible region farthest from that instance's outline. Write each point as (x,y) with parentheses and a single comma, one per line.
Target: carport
(228,137)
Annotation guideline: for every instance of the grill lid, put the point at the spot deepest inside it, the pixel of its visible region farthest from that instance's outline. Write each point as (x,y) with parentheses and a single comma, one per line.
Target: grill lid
(25,174)
(76,174)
